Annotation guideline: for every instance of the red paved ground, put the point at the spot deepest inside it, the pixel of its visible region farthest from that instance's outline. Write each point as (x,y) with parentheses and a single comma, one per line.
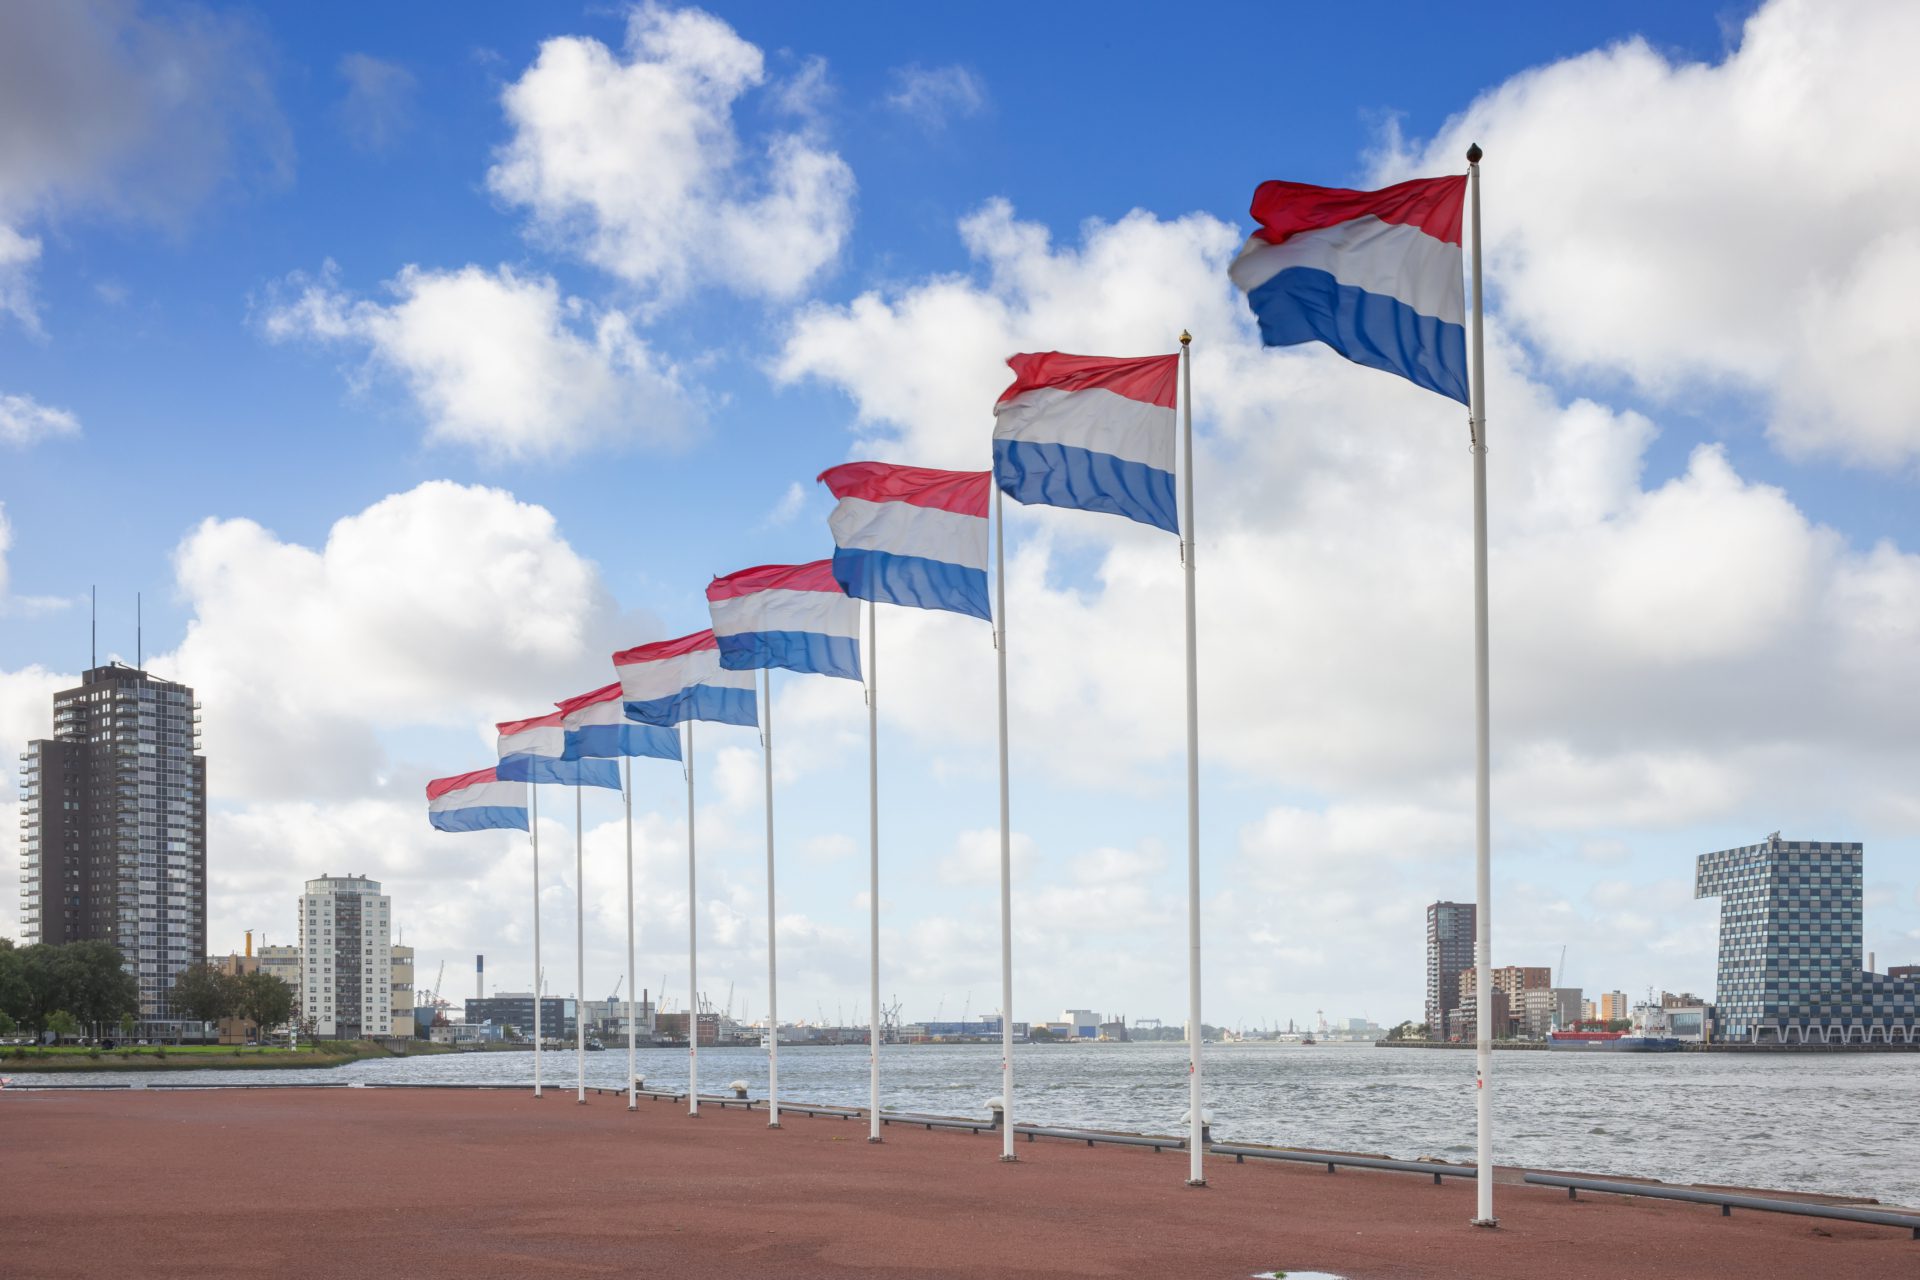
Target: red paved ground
(418,1183)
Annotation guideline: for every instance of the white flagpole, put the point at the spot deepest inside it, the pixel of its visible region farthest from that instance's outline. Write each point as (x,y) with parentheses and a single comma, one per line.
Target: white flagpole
(773,968)
(580,943)
(1196,1116)
(633,1089)
(873,872)
(533,790)
(1482,791)
(693,950)
(1006,837)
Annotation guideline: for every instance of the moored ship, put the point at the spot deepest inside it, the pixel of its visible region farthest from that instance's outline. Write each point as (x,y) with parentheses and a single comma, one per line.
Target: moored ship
(1650,1034)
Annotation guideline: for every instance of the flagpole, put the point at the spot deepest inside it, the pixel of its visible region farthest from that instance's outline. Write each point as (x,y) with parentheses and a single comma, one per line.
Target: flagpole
(873,872)
(1482,790)
(1196,1116)
(580,944)
(1006,836)
(693,951)
(633,1089)
(533,790)
(773,998)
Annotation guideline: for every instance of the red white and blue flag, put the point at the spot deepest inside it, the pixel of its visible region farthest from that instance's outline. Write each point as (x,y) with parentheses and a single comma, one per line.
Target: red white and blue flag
(1090,432)
(670,681)
(596,726)
(911,535)
(1376,275)
(795,616)
(535,750)
(477,801)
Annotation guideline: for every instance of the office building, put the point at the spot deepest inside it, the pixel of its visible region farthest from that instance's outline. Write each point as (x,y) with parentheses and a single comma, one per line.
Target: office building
(1614,1007)
(113,830)
(400,989)
(1790,948)
(346,956)
(1450,930)
(559,1016)
(283,962)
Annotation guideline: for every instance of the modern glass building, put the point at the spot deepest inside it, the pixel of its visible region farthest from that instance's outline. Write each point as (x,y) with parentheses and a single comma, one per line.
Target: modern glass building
(1450,934)
(1790,947)
(113,830)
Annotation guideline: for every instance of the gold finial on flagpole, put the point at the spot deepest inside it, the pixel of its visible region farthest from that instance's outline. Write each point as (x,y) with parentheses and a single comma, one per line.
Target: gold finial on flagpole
(1186,339)
(1474,153)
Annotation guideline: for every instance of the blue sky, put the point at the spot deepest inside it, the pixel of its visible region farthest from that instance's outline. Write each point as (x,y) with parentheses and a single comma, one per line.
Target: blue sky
(1693,648)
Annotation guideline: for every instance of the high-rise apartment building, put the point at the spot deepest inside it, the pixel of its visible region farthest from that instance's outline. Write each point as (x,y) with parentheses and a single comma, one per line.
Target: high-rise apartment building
(346,958)
(114,829)
(1450,930)
(1790,947)
(1615,1007)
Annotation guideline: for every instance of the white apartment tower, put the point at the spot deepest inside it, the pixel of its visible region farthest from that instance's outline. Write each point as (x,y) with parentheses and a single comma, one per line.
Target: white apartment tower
(346,958)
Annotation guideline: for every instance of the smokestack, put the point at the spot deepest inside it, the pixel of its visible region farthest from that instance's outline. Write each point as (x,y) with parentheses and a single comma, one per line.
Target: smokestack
(249,942)
(479,977)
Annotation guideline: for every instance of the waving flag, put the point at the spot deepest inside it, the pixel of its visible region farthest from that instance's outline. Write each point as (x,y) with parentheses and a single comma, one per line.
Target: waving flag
(786,615)
(476,801)
(911,535)
(597,726)
(535,750)
(1373,274)
(1089,432)
(670,681)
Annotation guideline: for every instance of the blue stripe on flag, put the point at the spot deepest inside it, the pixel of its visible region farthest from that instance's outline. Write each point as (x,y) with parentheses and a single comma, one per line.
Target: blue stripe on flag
(912,580)
(807,651)
(557,772)
(1058,475)
(697,702)
(605,740)
(1302,304)
(480,817)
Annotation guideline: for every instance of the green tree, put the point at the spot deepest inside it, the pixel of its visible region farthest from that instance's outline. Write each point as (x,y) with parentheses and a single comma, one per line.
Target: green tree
(63,1025)
(203,993)
(126,1026)
(99,988)
(264,1000)
(16,1001)
(7,1024)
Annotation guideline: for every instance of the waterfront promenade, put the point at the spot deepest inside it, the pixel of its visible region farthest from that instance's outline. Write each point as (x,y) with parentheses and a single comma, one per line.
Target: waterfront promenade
(430,1183)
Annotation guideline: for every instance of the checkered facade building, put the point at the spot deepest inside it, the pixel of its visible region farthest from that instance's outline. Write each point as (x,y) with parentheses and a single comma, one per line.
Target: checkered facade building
(1790,947)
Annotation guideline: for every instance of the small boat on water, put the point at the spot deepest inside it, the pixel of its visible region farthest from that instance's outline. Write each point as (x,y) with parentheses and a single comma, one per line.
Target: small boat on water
(1650,1034)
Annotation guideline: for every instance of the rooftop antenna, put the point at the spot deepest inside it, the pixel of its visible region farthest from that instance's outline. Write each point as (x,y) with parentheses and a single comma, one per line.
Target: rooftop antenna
(139,635)
(93,630)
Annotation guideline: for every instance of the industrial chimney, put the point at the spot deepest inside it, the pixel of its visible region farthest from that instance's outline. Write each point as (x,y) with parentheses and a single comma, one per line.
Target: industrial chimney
(479,977)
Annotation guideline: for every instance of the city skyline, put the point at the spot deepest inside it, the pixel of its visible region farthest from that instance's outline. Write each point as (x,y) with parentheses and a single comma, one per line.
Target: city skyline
(1706,586)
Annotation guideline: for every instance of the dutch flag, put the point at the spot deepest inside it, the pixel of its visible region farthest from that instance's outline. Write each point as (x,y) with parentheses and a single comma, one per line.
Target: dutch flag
(795,616)
(596,725)
(911,535)
(476,801)
(1373,274)
(1089,432)
(535,750)
(671,681)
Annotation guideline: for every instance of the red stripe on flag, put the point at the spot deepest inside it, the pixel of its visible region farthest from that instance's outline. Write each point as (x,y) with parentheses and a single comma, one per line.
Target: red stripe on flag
(966,493)
(817,576)
(506,727)
(459,782)
(1284,209)
(660,650)
(606,693)
(1149,379)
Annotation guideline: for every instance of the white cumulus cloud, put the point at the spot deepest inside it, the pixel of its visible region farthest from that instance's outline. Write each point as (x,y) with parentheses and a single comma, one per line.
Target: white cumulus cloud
(499,362)
(25,421)
(1746,224)
(934,96)
(632,159)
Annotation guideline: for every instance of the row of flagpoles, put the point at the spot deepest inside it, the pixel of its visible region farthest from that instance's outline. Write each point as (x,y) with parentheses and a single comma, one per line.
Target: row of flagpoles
(1376,275)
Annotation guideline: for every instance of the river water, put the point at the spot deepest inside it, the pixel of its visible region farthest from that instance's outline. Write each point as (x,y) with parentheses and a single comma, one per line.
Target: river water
(1845,1124)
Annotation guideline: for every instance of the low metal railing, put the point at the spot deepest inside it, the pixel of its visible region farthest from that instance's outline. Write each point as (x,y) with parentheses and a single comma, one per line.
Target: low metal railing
(1728,1200)
(1334,1162)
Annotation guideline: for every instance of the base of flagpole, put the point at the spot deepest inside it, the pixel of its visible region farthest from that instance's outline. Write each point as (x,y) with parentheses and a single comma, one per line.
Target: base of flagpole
(773,1124)
(873,1139)
(1197,1182)
(633,1106)
(1483,1222)
(1009,1159)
